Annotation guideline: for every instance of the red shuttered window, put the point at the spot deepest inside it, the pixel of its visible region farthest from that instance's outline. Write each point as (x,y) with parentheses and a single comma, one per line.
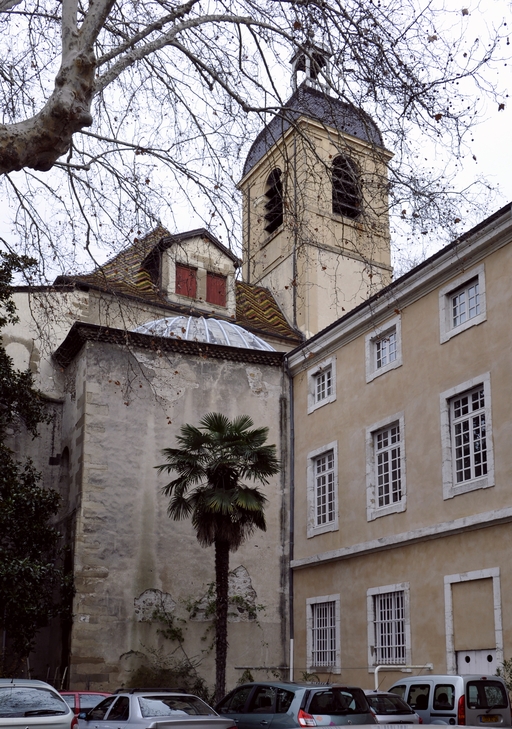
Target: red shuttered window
(186,280)
(216,289)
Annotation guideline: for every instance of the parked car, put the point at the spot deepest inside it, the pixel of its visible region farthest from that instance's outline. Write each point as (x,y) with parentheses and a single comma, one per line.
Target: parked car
(463,700)
(153,709)
(283,704)
(31,704)
(389,708)
(83,700)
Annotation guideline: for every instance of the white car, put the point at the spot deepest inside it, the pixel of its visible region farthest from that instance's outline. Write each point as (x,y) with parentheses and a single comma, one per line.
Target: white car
(153,709)
(31,704)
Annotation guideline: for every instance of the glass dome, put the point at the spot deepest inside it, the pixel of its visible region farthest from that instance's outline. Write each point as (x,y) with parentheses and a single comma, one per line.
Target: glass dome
(199,329)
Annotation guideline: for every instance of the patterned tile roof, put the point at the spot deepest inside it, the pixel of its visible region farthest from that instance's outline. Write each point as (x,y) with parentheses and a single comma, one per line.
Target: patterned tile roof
(129,274)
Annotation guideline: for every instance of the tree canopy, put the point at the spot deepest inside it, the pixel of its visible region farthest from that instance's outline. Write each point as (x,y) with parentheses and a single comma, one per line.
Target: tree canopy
(122,113)
(30,545)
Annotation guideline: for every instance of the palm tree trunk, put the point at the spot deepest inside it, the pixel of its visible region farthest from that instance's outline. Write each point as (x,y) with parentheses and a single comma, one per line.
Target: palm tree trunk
(221,620)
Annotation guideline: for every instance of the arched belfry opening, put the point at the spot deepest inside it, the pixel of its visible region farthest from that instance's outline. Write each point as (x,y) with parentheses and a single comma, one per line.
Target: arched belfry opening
(274,204)
(315,192)
(346,187)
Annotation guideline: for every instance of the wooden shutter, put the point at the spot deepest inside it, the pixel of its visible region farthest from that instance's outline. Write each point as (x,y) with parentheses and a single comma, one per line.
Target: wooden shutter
(186,280)
(216,289)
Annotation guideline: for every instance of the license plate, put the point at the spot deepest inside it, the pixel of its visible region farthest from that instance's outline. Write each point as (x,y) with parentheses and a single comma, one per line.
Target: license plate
(489,719)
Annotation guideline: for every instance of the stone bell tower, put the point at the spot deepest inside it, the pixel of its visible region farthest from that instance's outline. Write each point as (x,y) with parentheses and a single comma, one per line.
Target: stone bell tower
(315,215)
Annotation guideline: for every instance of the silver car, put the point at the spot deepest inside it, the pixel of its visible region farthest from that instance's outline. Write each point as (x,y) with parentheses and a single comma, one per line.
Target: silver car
(31,704)
(391,709)
(153,709)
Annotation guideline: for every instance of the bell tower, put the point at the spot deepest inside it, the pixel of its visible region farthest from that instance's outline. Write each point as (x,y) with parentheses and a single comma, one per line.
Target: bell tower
(315,212)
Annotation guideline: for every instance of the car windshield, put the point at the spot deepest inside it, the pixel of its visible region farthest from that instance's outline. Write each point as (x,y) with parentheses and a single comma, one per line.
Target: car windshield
(30,701)
(337,701)
(388,705)
(151,706)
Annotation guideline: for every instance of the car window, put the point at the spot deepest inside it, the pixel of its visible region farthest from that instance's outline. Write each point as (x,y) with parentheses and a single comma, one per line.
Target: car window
(336,701)
(70,700)
(89,701)
(98,713)
(418,696)
(444,697)
(486,695)
(234,703)
(30,701)
(398,690)
(263,700)
(151,706)
(283,700)
(120,710)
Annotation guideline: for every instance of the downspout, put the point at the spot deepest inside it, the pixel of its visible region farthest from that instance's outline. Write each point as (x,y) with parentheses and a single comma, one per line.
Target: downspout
(292,515)
(295,233)
(248,234)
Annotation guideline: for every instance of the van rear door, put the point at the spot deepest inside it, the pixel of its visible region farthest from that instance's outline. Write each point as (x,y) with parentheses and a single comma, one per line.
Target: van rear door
(487,703)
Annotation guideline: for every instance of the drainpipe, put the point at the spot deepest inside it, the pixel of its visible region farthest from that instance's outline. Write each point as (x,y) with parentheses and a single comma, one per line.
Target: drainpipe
(248,234)
(404,669)
(295,233)
(292,508)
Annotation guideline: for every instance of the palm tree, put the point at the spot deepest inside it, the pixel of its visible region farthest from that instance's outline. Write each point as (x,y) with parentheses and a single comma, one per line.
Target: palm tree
(212,463)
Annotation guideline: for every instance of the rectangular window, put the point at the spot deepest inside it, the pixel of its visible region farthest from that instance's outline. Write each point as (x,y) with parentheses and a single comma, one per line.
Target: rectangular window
(215,289)
(388,465)
(389,621)
(385,349)
(465,303)
(469,435)
(462,303)
(323,384)
(323,634)
(324,489)
(186,280)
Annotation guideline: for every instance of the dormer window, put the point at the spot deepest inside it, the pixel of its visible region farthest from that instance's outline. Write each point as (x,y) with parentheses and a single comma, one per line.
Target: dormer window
(346,192)
(274,205)
(186,280)
(215,289)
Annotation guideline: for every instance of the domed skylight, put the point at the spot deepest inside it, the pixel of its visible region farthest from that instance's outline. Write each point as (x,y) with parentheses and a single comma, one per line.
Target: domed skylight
(199,329)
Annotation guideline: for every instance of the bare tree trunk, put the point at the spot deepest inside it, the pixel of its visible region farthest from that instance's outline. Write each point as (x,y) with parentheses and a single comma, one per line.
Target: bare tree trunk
(221,624)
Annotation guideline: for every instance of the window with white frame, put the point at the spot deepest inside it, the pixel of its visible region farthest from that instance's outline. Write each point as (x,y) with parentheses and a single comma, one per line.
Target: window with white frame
(389,634)
(466,435)
(322,384)
(385,467)
(323,633)
(383,348)
(462,303)
(322,487)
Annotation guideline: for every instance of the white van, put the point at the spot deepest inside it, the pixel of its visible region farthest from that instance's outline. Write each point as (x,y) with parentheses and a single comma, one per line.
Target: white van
(465,700)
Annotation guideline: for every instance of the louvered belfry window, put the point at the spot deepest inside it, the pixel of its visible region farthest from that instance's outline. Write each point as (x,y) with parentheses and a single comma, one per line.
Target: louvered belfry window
(274,204)
(346,193)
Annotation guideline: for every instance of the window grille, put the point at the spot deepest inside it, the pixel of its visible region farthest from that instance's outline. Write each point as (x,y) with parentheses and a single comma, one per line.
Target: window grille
(323,384)
(324,634)
(388,465)
(469,435)
(389,612)
(324,489)
(466,303)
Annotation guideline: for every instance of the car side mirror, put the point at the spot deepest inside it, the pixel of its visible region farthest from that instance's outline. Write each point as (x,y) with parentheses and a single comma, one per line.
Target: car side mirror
(83,715)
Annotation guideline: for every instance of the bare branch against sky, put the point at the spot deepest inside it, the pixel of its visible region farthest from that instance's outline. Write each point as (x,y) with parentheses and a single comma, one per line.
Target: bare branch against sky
(119,115)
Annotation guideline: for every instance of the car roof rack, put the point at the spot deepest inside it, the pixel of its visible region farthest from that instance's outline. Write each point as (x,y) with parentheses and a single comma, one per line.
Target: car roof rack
(151,689)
